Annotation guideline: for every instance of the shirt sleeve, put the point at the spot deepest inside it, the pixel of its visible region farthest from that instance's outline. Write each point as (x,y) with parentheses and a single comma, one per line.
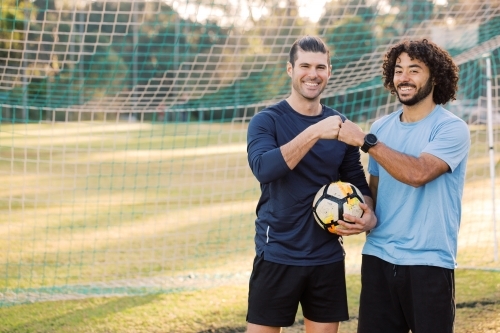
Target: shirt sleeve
(264,154)
(351,170)
(450,142)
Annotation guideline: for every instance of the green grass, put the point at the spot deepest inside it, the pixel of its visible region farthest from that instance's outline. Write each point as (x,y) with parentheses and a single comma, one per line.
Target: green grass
(88,203)
(81,202)
(221,310)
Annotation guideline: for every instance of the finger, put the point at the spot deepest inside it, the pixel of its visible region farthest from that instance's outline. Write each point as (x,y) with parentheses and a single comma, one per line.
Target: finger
(348,232)
(351,219)
(344,225)
(349,225)
(364,206)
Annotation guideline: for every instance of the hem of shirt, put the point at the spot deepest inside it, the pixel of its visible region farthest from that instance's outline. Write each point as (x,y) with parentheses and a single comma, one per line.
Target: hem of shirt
(407,261)
(302,262)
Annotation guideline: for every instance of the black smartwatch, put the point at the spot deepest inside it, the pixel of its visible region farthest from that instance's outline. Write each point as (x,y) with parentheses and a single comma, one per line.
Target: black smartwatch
(370,141)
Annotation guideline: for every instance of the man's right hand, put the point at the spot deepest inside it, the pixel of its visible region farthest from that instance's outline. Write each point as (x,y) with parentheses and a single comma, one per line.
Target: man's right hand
(351,134)
(328,128)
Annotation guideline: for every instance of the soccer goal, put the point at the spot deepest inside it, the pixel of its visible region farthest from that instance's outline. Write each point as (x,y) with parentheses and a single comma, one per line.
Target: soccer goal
(123,165)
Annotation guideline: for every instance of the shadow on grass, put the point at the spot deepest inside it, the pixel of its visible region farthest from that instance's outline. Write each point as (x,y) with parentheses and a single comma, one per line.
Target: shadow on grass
(240,329)
(76,319)
(474,304)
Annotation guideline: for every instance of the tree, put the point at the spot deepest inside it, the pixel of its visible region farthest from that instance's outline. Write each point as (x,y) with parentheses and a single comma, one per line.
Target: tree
(13,17)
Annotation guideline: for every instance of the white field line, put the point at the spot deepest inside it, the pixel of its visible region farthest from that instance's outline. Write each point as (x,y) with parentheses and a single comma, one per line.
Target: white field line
(131,156)
(71,129)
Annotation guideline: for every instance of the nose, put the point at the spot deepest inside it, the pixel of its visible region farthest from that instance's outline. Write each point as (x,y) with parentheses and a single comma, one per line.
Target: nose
(403,76)
(312,72)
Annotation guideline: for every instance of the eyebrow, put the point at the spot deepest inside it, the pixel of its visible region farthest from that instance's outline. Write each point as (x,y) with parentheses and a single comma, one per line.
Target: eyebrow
(309,64)
(411,66)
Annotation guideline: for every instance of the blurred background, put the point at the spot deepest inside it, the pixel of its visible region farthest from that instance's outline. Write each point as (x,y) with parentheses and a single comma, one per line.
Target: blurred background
(123,164)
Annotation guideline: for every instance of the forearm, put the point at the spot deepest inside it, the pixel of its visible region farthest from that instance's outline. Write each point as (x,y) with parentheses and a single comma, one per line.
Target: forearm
(373,184)
(369,202)
(295,150)
(413,171)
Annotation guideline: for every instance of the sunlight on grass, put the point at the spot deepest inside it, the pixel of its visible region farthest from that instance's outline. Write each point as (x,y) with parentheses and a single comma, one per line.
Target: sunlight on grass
(135,204)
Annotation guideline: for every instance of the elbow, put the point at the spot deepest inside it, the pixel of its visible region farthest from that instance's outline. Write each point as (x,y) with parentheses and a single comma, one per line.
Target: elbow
(415,184)
(268,169)
(260,173)
(268,175)
(264,177)
(417,181)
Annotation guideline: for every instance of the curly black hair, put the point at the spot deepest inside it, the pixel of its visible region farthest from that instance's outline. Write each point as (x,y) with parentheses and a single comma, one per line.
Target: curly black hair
(443,70)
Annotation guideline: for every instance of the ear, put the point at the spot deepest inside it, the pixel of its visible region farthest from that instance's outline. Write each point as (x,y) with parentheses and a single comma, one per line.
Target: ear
(289,68)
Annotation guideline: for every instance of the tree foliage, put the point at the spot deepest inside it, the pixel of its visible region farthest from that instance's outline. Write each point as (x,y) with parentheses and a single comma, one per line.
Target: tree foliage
(72,53)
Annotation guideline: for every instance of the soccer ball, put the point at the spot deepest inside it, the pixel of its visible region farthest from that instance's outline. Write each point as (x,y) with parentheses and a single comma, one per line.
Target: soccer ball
(332,201)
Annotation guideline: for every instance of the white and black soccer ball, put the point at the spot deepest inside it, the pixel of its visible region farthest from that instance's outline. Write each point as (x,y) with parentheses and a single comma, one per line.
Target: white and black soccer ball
(332,201)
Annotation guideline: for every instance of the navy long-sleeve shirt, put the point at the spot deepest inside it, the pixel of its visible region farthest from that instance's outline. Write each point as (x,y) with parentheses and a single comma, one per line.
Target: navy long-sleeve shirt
(286,231)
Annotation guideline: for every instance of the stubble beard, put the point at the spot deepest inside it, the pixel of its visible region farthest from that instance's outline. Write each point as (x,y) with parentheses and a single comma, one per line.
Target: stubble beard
(303,93)
(421,94)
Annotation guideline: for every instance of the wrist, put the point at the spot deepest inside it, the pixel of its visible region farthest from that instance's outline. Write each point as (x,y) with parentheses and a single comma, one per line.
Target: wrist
(370,141)
(312,134)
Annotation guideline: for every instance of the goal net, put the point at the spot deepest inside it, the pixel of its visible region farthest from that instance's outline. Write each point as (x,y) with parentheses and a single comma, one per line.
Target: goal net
(123,164)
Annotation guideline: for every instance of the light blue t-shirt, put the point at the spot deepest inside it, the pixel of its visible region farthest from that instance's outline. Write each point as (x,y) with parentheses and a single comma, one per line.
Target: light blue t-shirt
(419,226)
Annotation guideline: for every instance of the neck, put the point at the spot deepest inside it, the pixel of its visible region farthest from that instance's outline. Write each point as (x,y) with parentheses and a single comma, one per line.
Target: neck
(417,112)
(305,107)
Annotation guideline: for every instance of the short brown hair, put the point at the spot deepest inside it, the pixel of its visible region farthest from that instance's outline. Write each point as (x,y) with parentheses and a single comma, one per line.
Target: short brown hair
(308,44)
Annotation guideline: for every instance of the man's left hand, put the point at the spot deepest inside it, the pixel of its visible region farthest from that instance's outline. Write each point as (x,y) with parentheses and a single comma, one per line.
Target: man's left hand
(357,225)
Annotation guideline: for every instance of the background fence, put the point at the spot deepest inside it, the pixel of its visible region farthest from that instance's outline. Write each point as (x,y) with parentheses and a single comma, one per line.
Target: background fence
(123,130)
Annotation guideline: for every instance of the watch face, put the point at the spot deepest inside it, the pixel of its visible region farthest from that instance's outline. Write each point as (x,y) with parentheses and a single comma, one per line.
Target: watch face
(371,139)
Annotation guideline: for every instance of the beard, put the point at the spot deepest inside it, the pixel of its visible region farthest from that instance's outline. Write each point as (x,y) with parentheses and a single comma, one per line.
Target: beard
(421,94)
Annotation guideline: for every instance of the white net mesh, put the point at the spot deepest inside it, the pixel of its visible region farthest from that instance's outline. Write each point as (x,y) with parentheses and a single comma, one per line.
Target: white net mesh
(123,125)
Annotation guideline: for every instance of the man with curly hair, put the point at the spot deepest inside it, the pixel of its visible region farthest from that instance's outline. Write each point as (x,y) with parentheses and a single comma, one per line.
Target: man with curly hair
(417,163)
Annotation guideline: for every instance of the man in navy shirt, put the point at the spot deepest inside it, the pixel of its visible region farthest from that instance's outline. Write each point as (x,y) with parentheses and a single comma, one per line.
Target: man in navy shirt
(293,151)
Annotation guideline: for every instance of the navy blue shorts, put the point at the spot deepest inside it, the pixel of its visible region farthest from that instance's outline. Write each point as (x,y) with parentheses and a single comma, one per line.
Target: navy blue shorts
(276,291)
(399,298)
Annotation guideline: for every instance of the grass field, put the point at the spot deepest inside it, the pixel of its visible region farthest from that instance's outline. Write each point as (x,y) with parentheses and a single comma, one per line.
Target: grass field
(222,310)
(83,202)
(153,211)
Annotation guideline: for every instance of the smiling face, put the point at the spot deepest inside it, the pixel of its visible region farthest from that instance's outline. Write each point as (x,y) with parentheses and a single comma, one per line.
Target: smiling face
(412,80)
(309,74)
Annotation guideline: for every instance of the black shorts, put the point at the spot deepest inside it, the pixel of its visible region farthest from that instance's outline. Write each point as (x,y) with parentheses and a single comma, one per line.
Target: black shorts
(276,290)
(396,299)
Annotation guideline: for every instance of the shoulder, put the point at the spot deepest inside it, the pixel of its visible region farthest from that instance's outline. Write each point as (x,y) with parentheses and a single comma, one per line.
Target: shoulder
(389,118)
(447,119)
(272,111)
(268,118)
(448,115)
(268,113)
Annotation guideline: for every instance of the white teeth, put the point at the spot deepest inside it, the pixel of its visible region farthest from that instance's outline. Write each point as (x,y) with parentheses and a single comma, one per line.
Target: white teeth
(311,84)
